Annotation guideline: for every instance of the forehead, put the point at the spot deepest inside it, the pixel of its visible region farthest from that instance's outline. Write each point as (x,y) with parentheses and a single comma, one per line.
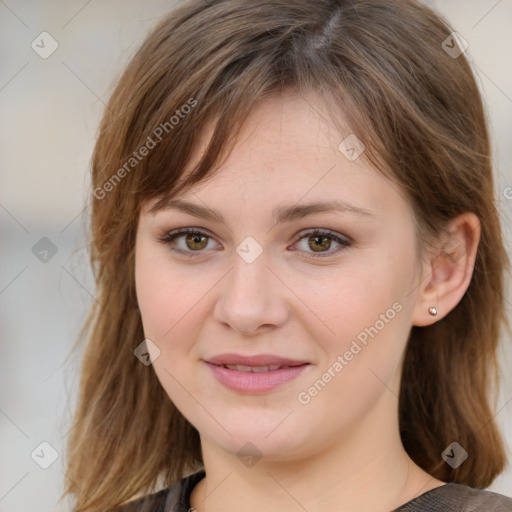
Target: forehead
(287,151)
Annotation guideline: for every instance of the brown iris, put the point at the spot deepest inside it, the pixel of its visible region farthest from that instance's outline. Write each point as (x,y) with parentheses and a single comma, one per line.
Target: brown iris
(196,241)
(316,242)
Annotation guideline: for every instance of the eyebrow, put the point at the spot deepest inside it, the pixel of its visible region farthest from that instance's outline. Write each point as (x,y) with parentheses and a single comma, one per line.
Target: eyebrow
(280,214)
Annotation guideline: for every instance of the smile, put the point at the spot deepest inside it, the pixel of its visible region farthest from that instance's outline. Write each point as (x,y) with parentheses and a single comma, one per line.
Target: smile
(254,380)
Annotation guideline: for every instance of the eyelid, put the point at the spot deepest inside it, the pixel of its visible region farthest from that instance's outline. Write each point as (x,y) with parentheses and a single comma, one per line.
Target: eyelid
(324,231)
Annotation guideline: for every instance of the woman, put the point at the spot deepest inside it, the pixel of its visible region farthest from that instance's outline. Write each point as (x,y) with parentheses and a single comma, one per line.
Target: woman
(300,268)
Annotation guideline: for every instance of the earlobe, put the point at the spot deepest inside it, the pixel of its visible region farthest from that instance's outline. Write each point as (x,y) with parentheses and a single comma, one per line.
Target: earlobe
(448,272)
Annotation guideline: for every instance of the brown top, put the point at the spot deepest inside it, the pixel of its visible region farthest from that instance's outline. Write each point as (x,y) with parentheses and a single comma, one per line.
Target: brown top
(450,497)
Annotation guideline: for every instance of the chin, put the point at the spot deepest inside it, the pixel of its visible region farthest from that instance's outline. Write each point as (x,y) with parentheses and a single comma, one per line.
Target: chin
(272,440)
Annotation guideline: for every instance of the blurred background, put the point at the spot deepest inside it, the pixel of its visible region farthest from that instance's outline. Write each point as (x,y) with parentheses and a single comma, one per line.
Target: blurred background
(58,62)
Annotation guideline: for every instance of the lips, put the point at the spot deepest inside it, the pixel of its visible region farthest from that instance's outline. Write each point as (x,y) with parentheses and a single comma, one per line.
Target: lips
(254,374)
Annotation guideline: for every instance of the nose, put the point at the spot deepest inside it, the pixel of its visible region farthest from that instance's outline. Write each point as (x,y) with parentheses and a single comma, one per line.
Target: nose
(251,299)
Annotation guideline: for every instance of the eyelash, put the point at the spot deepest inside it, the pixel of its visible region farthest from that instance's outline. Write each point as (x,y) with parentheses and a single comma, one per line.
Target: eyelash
(344,242)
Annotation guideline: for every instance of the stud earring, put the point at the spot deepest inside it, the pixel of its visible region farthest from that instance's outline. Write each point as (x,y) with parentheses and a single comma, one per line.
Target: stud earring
(433,311)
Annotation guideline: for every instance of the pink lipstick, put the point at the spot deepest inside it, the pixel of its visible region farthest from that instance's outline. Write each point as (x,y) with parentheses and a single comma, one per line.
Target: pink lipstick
(254,374)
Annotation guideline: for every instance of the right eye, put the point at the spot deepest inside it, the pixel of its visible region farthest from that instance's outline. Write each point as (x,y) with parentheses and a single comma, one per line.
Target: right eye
(187,240)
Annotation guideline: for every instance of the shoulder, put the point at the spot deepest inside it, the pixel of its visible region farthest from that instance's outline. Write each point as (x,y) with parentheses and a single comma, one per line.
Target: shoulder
(458,498)
(154,502)
(175,498)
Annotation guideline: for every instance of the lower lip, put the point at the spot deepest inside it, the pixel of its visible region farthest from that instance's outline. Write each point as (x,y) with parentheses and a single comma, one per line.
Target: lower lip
(253,382)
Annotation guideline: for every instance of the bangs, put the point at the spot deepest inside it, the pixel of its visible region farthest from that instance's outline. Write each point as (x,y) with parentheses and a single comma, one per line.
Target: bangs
(219,112)
(192,90)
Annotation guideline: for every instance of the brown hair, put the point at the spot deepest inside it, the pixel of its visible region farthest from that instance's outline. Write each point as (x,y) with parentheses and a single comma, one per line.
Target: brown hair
(419,113)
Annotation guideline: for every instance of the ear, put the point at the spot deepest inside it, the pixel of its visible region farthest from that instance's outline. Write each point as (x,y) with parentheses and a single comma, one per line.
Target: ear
(447,272)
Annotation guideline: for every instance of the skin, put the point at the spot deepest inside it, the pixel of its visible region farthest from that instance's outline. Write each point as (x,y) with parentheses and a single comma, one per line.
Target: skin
(342,450)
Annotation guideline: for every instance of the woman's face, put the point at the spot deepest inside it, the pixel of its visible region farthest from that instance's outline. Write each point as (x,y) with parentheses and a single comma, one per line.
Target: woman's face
(310,307)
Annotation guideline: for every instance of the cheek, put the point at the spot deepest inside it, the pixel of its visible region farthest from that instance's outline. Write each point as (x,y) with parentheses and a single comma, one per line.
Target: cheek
(162,301)
(171,300)
(363,315)
(153,297)
(173,306)
(345,302)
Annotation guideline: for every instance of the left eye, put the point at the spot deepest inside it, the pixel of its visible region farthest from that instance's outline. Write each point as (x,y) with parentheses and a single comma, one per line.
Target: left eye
(319,242)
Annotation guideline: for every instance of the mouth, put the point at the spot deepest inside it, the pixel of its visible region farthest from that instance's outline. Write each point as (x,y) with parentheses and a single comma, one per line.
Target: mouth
(254,374)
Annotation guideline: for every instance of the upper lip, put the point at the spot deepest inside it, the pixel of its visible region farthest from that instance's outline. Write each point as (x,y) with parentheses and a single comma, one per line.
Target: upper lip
(255,360)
